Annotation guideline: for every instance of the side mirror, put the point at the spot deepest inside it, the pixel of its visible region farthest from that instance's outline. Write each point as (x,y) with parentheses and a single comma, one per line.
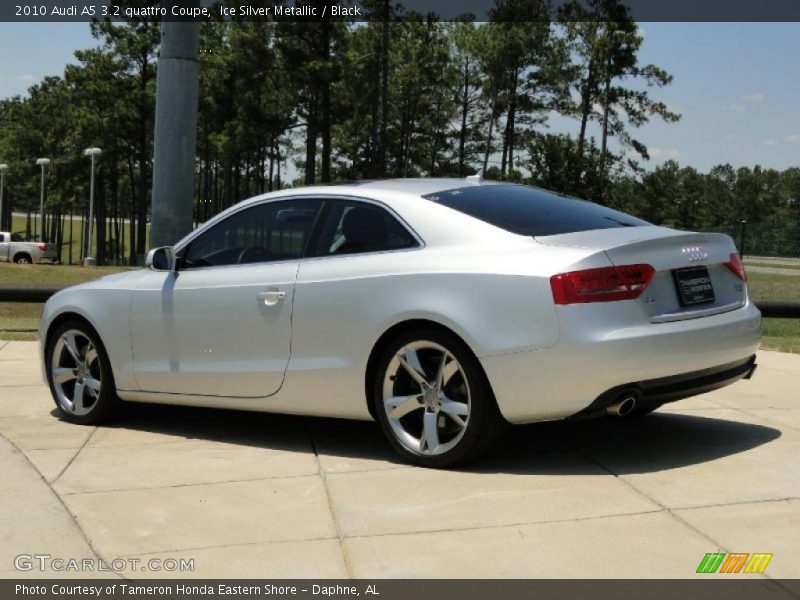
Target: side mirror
(161,259)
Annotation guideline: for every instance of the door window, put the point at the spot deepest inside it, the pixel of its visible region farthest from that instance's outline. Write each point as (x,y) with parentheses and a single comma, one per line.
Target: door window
(267,232)
(353,227)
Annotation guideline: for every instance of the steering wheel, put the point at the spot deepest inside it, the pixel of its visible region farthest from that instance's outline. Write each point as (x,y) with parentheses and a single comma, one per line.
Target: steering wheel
(251,254)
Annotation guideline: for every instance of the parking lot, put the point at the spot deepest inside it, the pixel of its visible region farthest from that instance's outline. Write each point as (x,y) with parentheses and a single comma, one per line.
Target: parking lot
(259,495)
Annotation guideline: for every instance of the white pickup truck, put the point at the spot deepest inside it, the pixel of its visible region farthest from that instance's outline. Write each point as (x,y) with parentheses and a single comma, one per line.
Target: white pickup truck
(12,248)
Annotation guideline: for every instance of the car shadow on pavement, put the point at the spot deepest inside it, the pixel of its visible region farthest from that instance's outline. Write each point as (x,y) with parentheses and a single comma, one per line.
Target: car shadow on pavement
(655,442)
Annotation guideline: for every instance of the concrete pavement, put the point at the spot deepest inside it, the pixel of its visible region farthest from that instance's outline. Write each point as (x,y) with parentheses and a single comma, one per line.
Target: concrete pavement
(257,495)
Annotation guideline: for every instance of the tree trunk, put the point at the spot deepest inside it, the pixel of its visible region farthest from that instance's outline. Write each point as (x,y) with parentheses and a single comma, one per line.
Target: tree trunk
(325,124)
(489,136)
(462,136)
(586,107)
(384,91)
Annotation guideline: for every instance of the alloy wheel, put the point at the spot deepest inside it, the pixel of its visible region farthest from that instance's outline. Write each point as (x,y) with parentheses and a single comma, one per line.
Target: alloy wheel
(426,397)
(76,373)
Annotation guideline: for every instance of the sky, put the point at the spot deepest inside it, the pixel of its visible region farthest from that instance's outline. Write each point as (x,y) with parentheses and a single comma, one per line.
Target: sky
(736,85)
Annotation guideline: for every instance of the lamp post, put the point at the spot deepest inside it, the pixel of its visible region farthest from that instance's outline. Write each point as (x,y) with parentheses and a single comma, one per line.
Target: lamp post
(3,169)
(43,162)
(89,261)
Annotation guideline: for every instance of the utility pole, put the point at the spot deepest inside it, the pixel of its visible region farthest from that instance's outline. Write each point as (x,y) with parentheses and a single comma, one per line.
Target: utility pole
(3,169)
(43,162)
(89,260)
(175,130)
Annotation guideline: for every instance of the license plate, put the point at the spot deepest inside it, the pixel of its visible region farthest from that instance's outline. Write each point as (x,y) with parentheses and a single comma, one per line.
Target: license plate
(694,286)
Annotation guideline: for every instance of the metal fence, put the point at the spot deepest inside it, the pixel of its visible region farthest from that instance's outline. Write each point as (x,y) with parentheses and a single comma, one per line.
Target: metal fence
(770,238)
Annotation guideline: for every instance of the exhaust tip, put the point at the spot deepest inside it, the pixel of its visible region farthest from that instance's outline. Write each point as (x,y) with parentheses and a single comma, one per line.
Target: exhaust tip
(622,407)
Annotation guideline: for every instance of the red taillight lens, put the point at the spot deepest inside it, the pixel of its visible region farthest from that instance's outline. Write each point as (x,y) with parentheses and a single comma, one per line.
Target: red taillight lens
(601,285)
(735,265)
(42,247)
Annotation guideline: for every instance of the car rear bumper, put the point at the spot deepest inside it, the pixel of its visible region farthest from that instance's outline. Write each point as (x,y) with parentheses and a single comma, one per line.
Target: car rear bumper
(655,392)
(595,355)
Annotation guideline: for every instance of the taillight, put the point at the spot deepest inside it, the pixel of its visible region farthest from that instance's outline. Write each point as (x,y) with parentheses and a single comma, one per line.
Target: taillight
(735,265)
(42,247)
(605,284)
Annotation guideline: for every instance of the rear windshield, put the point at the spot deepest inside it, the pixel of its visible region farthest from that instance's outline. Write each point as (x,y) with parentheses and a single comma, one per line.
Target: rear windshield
(531,211)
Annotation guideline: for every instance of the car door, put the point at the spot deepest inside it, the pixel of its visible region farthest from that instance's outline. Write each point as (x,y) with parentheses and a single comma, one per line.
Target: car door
(346,288)
(220,325)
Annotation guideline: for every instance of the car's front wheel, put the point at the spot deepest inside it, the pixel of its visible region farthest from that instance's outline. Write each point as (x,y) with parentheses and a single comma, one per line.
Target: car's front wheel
(433,401)
(79,374)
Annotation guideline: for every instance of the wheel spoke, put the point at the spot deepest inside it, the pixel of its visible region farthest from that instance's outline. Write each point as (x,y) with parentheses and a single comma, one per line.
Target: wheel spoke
(93,384)
(411,364)
(402,405)
(450,369)
(439,381)
(456,411)
(63,375)
(77,398)
(91,354)
(430,433)
(72,348)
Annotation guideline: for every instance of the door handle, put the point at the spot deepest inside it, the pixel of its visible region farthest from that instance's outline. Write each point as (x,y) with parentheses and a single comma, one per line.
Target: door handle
(271,297)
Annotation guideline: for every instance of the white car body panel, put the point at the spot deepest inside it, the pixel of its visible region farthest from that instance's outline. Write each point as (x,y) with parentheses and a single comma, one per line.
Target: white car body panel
(202,337)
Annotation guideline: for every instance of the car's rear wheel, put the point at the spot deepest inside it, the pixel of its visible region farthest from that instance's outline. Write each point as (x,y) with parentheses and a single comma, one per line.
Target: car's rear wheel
(433,401)
(23,259)
(79,374)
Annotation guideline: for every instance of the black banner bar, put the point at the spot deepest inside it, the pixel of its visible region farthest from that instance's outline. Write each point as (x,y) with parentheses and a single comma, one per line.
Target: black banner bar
(360,10)
(718,588)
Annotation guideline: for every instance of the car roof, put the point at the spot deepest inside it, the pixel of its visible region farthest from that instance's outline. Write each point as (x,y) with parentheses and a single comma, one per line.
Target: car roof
(419,186)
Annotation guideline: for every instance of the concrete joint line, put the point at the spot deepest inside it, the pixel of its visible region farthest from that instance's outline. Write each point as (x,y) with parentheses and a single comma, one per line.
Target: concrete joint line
(334,518)
(74,456)
(60,500)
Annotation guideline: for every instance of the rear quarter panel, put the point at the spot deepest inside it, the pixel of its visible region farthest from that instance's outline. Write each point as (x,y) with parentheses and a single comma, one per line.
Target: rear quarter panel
(344,304)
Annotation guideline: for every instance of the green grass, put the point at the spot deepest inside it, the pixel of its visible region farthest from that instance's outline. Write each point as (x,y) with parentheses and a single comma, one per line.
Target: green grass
(779,334)
(25,316)
(768,286)
(772,265)
(18,224)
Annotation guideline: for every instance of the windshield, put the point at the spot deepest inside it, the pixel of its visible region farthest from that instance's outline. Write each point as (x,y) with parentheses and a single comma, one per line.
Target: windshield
(532,211)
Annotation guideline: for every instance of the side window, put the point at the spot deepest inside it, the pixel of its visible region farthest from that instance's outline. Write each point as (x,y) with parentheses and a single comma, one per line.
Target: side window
(2,237)
(351,227)
(267,232)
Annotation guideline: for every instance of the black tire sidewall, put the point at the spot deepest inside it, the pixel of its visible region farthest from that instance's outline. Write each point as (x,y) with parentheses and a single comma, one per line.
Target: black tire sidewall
(107,403)
(483,407)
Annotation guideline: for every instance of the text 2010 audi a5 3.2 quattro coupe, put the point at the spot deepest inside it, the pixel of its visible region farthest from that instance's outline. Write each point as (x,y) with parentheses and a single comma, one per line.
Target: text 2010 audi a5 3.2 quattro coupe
(442,308)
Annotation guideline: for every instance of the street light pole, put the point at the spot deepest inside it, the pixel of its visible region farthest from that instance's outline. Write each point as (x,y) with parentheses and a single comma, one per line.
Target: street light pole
(43,162)
(89,261)
(2,185)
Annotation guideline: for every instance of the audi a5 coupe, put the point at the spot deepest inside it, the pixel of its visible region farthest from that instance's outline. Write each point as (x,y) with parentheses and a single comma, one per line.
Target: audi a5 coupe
(444,309)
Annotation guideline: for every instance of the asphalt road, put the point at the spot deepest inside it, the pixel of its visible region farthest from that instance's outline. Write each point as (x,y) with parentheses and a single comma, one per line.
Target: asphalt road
(256,495)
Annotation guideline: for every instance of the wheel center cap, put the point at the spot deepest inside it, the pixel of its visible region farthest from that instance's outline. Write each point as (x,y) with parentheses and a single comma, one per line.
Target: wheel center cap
(431,398)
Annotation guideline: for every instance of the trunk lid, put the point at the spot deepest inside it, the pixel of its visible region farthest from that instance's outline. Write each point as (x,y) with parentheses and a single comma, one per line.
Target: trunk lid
(668,251)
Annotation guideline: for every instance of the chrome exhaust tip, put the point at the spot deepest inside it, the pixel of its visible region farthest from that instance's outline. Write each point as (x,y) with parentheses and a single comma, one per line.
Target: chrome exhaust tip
(622,407)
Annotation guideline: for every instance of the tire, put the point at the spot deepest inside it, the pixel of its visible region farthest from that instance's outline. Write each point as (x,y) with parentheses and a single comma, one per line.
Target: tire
(66,367)
(432,425)
(23,259)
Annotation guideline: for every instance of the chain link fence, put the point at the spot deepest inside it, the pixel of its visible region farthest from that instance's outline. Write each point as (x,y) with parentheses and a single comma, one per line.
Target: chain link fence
(769,238)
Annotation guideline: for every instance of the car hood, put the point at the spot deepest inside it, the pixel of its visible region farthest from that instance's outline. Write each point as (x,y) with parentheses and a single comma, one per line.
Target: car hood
(126,279)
